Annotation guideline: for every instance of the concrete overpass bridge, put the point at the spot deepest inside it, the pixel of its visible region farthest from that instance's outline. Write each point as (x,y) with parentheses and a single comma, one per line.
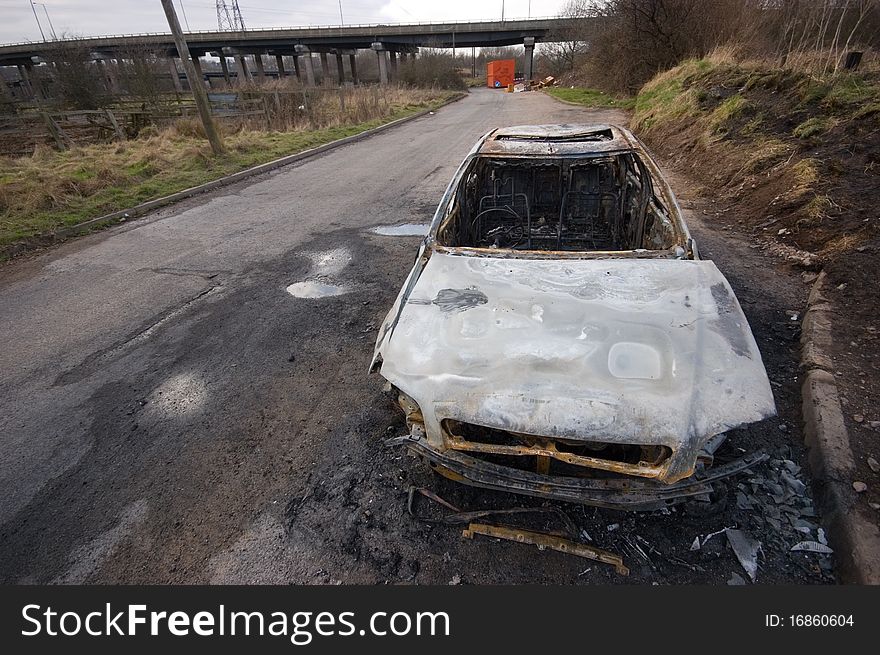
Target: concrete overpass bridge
(389,41)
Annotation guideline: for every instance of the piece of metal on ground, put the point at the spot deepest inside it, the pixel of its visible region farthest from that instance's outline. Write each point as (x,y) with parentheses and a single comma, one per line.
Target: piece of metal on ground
(542,541)
(554,541)
(459,517)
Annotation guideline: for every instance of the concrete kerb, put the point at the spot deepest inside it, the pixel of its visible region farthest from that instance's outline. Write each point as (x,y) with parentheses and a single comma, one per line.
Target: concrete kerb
(150,205)
(854,538)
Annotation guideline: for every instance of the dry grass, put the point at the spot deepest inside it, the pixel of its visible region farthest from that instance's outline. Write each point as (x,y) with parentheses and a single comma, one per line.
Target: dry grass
(810,62)
(289,106)
(805,173)
(844,244)
(762,154)
(50,189)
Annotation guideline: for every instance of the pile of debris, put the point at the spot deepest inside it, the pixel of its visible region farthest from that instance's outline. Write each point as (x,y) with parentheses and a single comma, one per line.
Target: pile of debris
(777,506)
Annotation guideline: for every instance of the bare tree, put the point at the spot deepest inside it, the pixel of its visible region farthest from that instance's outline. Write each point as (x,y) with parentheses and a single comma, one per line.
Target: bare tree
(862,10)
(79,83)
(143,73)
(434,68)
(566,46)
(812,34)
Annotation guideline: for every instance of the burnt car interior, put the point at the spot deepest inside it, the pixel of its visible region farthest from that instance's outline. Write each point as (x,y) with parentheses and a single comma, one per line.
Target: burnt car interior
(603,203)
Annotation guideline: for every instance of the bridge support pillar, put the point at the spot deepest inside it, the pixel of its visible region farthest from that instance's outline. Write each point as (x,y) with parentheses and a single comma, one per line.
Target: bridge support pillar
(261,71)
(392,55)
(242,75)
(110,75)
(529,43)
(175,74)
(340,69)
(325,69)
(307,63)
(382,54)
(352,64)
(5,93)
(279,64)
(225,66)
(296,69)
(197,64)
(25,76)
(36,83)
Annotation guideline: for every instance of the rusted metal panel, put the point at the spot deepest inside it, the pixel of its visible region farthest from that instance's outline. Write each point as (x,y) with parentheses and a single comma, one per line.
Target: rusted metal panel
(550,541)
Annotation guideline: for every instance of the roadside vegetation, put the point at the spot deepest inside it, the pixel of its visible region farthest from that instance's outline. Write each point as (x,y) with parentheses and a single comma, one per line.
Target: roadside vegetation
(431,70)
(50,189)
(795,151)
(589,97)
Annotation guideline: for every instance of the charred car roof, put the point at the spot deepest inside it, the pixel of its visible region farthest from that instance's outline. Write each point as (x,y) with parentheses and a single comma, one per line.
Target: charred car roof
(559,140)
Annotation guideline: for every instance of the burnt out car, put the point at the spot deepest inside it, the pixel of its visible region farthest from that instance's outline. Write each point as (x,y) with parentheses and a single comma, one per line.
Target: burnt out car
(559,335)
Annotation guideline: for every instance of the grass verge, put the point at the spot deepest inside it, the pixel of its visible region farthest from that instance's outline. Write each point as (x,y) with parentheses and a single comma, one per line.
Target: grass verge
(48,190)
(589,97)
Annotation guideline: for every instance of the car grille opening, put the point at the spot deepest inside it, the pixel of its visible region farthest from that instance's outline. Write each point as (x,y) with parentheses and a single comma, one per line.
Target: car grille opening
(555,456)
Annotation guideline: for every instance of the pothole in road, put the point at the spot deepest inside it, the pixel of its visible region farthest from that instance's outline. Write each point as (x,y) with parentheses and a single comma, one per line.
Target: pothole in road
(329,262)
(403,230)
(321,283)
(179,395)
(316,289)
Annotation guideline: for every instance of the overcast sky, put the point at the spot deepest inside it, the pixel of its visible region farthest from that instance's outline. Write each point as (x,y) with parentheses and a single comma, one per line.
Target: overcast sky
(96,17)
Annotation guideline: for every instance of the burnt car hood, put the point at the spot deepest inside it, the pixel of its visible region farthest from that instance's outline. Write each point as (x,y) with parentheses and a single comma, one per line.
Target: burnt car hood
(637,351)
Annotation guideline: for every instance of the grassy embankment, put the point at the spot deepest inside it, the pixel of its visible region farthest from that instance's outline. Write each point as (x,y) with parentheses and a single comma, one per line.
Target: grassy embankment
(41,193)
(797,154)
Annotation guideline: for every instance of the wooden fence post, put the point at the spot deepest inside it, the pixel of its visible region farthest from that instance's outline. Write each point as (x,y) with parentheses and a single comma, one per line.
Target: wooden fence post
(116,129)
(55,130)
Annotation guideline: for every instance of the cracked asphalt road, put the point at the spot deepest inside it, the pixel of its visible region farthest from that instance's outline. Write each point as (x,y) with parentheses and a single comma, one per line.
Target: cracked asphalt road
(171,414)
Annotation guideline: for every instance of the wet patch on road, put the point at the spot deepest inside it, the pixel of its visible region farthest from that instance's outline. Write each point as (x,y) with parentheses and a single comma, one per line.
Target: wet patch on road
(403,230)
(321,280)
(316,289)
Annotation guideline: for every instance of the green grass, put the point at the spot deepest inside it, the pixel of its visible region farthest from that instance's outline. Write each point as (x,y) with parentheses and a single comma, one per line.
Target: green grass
(589,97)
(846,95)
(813,127)
(867,110)
(850,90)
(721,116)
(663,99)
(50,190)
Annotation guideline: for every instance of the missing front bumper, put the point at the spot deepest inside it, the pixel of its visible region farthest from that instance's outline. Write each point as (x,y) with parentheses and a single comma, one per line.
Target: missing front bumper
(627,493)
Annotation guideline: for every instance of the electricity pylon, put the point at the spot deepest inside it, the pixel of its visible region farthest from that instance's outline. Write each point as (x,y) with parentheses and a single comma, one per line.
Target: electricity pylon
(229,16)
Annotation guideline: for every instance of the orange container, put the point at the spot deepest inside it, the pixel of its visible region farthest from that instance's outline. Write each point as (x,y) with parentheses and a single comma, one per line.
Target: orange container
(499,73)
